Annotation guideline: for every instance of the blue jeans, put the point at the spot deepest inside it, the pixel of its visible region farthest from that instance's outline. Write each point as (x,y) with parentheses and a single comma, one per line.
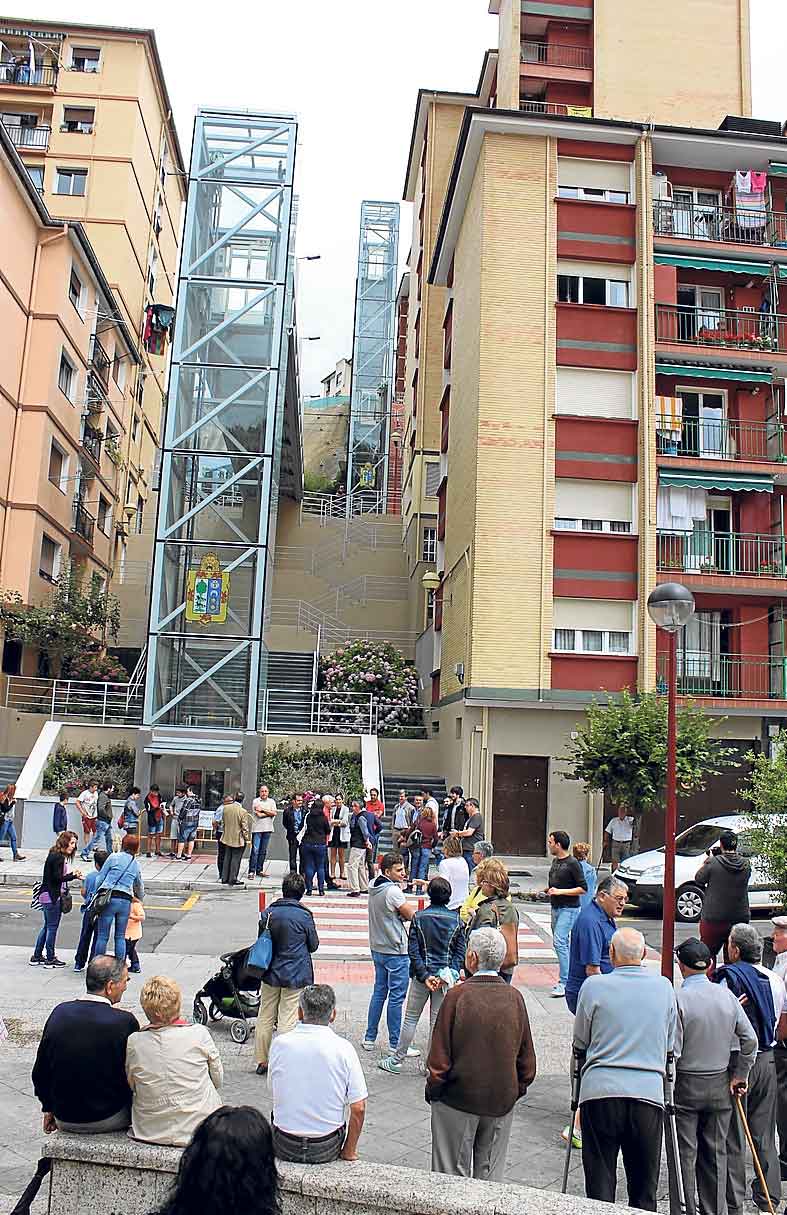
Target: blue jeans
(48,934)
(391,976)
(259,851)
(315,859)
(563,919)
(86,936)
(419,864)
(8,832)
(101,840)
(471,864)
(115,913)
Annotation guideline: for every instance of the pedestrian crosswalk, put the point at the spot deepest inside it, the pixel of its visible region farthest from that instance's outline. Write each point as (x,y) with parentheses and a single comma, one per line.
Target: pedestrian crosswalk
(343,929)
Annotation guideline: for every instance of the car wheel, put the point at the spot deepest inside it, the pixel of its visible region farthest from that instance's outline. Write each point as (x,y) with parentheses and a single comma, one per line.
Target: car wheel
(688,904)
(239,1031)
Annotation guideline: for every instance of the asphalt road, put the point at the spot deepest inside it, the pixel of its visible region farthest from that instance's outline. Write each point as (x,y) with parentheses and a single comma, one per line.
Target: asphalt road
(19,925)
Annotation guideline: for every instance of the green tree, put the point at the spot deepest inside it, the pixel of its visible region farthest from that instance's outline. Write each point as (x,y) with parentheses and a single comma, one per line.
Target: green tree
(766,789)
(621,750)
(72,620)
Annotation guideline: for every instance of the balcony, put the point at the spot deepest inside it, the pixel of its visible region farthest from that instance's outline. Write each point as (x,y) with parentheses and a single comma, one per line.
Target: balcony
(100,362)
(83,523)
(722,439)
(35,138)
(723,225)
(733,554)
(18,73)
(560,108)
(726,676)
(554,54)
(91,443)
(723,330)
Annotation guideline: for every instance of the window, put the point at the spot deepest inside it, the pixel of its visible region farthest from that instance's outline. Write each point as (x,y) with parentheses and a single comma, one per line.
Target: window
(104,515)
(119,370)
(592,641)
(432,479)
(583,289)
(139,391)
(58,467)
(140,514)
(77,120)
(592,194)
(36,175)
(71,181)
(152,270)
(85,59)
(67,377)
(49,560)
(164,163)
(563,524)
(429,547)
(375,266)
(157,213)
(75,290)
(134,427)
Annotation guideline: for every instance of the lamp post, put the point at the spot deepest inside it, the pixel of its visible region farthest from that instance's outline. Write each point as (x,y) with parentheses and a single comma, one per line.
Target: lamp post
(670,607)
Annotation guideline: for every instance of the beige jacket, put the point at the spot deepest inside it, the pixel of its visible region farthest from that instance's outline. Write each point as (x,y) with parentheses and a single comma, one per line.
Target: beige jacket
(174,1074)
(236,826)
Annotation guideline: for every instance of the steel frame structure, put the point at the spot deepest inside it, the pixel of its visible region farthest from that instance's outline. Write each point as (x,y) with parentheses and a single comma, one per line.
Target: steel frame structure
(374,336)
(223,429)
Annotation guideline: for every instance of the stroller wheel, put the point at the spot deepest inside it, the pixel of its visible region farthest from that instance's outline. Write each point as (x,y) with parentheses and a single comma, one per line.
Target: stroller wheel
(214,1012)
(200,1015)
(239,1031)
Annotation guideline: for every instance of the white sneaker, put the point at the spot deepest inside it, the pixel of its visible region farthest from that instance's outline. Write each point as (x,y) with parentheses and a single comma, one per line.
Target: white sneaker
(368,1045)
(413,1053)
(558,990)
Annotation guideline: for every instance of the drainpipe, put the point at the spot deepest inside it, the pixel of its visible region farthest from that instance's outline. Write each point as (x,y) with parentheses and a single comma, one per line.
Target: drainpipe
(61,232)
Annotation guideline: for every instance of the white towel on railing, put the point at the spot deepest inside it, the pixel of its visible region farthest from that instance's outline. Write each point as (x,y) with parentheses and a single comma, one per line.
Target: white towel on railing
(743,181)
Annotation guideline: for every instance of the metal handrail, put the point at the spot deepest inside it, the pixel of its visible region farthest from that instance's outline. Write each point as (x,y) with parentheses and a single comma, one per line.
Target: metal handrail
(556,54)
(556,107)
(100,361)
(722,328)
(83,522)
(727,676)
(721,439)
(707,552)
(701,221)
(91,443)
(28,137)
(44,76)
(298,614)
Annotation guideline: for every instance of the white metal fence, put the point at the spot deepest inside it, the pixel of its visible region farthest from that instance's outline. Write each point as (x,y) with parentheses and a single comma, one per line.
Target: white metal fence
(296,613)
(102,703)
(286,712)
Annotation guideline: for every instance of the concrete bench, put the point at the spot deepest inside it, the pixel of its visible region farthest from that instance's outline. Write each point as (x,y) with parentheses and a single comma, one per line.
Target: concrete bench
(114,1175)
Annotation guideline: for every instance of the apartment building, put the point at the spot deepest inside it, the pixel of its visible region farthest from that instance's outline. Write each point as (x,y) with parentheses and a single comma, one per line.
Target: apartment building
(62,495)
(596,360)
(88,111)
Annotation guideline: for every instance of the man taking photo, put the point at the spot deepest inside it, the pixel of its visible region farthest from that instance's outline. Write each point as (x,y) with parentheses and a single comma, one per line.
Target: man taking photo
(725,879)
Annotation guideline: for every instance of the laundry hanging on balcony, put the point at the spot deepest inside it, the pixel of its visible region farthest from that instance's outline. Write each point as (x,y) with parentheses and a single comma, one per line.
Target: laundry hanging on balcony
(669,417)
(678,507)
(749,186)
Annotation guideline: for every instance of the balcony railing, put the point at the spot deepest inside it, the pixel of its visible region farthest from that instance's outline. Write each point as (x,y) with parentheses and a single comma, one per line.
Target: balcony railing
(100,361)
(556,107)
(91,443)
(727,676)
(552,54)
(721,439)
(44,77)
(734,225)
(733,553)
(83,523)
(723,329)
(28,137)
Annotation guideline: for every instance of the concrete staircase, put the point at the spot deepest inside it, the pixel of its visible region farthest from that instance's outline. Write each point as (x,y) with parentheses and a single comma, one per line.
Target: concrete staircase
(413,784)
(10,767)
(290,678)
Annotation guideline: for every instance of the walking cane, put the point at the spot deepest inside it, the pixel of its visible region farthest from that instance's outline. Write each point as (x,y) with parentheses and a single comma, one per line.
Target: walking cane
(577,1059)
(754,1156)
(669,1085)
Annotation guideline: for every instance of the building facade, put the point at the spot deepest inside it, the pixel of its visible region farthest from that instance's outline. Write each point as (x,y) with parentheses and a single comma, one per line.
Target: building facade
(62,496)
(88,111)
(596,363)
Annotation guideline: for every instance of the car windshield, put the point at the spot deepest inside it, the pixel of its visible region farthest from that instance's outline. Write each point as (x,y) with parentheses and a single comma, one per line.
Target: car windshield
(697,840)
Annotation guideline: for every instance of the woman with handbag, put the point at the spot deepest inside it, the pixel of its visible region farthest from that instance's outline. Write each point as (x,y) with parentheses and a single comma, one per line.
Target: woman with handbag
(119,881)
(495,910)
(51,894)
(340,838)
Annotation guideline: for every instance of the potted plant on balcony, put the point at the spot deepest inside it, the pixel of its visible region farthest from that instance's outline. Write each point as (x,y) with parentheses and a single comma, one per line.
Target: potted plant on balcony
(112,448)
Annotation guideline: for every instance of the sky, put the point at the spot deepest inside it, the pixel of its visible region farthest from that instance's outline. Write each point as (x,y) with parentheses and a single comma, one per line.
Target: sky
(350,70)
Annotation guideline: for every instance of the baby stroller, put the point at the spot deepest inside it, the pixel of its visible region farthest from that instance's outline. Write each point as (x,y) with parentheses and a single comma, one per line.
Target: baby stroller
(233,992)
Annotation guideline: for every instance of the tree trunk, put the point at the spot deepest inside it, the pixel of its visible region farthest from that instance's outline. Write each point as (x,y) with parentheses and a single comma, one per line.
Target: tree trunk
(636,830)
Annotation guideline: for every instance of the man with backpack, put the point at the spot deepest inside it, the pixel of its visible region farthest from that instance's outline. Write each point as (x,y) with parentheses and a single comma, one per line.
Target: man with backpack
(103,836)
(188,822)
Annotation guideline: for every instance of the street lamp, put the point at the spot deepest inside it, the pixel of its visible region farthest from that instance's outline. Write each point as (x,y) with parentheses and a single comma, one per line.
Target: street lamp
(670,607)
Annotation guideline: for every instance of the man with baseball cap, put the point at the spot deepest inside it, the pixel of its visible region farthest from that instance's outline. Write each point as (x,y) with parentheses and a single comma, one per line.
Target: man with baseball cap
(715,1047)
(779,941)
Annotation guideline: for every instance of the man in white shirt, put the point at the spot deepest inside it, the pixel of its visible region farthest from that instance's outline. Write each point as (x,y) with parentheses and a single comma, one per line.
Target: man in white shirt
(263,812)
(315,1077)
(620,831)
(431,802)
(780,1050)
(403,814)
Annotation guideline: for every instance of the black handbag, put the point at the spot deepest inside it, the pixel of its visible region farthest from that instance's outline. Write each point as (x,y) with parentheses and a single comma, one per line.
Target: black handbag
(66,902)
(100,900)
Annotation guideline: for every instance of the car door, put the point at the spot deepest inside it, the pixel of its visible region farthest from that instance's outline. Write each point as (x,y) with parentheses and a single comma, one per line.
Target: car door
(760,893)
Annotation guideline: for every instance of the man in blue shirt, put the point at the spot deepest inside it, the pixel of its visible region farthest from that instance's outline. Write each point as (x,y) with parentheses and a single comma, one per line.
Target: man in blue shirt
(591,935)
(87,935)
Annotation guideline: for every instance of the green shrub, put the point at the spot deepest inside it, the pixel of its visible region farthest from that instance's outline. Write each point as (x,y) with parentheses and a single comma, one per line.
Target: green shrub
(69,768)
(287,770)
(378,668)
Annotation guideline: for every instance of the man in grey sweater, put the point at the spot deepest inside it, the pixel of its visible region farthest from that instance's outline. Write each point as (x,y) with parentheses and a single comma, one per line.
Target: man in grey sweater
(625,1025)
(717,1048)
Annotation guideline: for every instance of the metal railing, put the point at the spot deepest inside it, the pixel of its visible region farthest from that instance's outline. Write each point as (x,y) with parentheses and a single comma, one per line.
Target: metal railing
(28,137)
(706,552)
(556,107)
(102,703)
(723,328)
(721,439)
(553,54)
(364,588)
(736,225)
(44,77)
(285,712)
(726,676)
(100,361)
(91,443)
(83,523)
(296,613)
(334,506)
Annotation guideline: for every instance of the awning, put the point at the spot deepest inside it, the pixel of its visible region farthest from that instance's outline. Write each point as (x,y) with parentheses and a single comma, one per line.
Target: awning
(688,479)
(777,170)
(692,371)
(759,269)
